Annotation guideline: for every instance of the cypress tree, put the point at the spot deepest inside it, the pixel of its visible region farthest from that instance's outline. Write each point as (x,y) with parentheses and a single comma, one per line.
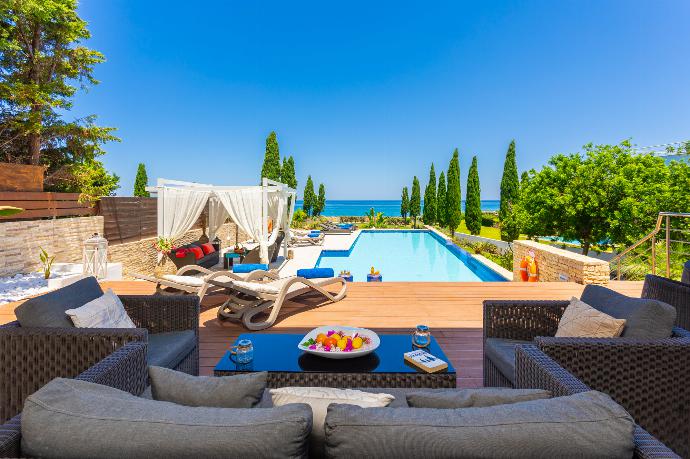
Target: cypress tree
(453,196)
(271,166)
(309,198)
(510,192)
(473,201)
(141,181)
(404,204)
(441,200)
(430,198)
(415,201)
(320,201)
(287,173)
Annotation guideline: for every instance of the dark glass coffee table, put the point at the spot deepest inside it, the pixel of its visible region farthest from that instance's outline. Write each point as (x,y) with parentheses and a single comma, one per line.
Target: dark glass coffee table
(289,366)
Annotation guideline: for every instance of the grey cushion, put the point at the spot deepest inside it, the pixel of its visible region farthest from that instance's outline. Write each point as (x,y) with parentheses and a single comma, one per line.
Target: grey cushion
(240,391)
(466,398)
(169,348)
(588,424)
(70,418)
(685,277)
(645,318)
(49,310)
(502,353)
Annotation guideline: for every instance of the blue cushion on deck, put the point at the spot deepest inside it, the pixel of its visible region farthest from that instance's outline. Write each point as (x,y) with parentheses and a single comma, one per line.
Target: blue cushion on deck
(249,267)
(313,273)
(345,225)
(313,234)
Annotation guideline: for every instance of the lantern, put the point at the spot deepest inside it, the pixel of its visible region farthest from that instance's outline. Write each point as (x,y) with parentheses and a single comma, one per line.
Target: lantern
(216,243)
(95,261)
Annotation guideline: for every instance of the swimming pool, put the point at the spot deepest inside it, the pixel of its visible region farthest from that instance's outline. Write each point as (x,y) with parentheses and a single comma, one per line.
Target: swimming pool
(414,256)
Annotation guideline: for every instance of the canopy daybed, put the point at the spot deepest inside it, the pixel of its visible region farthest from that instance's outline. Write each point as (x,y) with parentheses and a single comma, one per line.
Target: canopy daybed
(260,211)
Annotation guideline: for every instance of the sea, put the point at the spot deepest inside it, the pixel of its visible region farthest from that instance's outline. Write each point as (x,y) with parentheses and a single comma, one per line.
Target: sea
(390,208)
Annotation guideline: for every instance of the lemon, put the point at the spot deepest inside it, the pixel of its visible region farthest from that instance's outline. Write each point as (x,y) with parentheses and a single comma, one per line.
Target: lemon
(357,343)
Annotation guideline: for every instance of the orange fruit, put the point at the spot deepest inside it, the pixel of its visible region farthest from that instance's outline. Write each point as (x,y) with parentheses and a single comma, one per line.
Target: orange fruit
(320,338)
(342,343)
(357,342)
(329,342)
(336,336)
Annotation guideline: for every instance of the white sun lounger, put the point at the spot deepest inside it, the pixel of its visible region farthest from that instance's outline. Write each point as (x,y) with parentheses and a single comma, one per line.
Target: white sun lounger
(253,297)
(304,240)
(198,284)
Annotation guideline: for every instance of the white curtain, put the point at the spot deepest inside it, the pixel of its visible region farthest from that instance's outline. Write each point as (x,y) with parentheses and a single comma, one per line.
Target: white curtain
(181,209)
(216,216)
(245,208)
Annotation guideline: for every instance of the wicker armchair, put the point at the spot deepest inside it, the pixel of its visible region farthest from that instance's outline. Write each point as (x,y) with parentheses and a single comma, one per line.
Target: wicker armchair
(675,293)
(644,376)
(124,369)
(534,369)
(32,356)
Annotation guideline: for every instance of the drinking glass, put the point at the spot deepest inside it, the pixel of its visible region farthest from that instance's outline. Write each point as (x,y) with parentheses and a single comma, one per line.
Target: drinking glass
(421,336)
(243,351)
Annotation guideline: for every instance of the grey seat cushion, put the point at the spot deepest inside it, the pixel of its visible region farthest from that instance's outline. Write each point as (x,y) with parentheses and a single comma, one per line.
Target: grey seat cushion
(169,348)
(645,318)
(468,398)
(48,310)
(685,277)
(239,391)
(588,424)
(502,353)
(70,418)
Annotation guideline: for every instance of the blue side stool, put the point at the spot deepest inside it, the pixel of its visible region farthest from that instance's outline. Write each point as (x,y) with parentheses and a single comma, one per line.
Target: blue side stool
(347,277)
(229,259)
(374,278)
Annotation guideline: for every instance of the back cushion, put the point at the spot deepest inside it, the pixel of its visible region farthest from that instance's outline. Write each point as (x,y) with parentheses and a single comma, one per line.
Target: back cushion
(588,424)
(198,253)
(70,418)
(49,310)
(645,318)
(208,248)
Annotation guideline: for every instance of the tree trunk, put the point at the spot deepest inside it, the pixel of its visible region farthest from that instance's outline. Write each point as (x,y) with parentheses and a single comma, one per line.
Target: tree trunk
(585,247)
(36,108)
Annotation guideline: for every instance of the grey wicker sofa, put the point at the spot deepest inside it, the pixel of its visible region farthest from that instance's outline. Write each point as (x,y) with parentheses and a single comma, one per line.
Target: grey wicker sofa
(642,375)
(124,369)
(31,356)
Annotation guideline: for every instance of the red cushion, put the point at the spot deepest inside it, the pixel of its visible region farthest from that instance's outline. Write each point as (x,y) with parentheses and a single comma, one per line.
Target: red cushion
(180,253)
(208,248)
(198,253)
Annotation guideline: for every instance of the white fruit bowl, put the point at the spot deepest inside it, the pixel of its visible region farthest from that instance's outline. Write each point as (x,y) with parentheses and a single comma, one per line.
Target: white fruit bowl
(364,350)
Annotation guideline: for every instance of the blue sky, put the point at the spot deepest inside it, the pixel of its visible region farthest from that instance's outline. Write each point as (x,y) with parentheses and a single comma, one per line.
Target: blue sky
(365,95)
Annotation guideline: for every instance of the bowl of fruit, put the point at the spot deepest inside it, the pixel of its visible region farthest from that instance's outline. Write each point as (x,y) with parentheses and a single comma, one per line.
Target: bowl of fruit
(339,342)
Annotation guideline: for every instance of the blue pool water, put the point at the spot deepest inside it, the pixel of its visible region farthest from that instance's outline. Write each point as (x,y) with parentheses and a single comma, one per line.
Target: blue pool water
(412,256)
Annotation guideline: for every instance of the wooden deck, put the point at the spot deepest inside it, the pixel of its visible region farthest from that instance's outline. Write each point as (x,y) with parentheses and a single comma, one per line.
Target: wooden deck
(453,311)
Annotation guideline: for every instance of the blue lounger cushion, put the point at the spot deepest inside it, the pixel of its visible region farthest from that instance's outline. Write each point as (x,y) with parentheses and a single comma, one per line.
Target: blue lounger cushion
(315,232)
(313,273)
(249,267)
(345,225)
(313,235)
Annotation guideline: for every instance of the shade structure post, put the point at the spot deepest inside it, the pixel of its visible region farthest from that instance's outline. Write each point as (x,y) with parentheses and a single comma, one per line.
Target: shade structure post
(264,221)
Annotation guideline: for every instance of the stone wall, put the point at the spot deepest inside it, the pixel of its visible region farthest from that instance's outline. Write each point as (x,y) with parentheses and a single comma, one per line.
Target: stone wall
(20,242)
(558,265)
(141,256)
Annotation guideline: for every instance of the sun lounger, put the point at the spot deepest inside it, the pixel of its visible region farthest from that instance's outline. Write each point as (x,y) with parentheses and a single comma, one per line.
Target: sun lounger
(185,281)
(332,228)
(250,298)
(298,240)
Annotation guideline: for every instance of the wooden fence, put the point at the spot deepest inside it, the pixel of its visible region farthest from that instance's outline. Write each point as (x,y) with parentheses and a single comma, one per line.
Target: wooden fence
(44,205)
(127,219)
